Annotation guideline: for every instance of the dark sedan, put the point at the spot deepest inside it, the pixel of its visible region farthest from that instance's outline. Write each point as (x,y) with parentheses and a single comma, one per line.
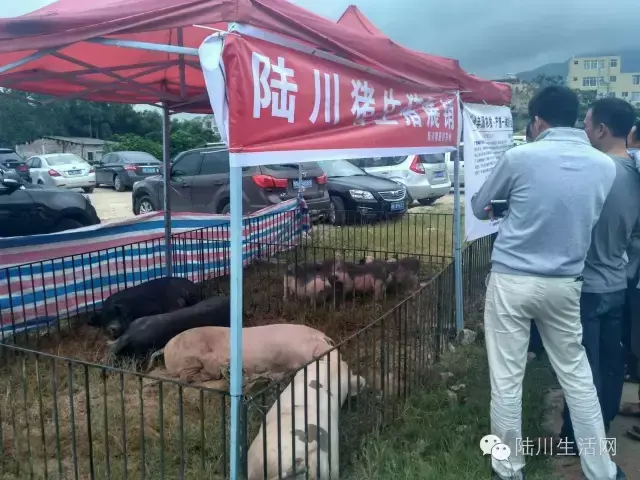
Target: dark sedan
(353,190)
(122,169)
(11,160)
(27,209)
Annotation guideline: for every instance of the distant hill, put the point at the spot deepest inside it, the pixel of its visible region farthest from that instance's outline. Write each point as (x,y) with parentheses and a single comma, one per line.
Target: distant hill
(630,63)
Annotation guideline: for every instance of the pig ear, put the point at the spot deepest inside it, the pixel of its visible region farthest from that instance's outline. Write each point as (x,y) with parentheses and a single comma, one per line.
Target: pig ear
(121,310)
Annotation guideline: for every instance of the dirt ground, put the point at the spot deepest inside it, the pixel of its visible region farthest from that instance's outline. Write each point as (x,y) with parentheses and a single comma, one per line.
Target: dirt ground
(568,468)
(112,205)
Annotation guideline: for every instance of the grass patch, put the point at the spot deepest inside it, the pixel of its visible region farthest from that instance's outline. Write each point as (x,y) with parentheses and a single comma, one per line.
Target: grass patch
(435,438)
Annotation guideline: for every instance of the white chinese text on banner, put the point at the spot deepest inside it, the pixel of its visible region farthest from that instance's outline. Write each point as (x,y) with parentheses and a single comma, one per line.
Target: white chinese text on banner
(283,104)
(488,133)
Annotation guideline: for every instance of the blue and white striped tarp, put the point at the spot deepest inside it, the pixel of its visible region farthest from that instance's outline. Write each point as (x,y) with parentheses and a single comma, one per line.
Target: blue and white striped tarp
(44,278)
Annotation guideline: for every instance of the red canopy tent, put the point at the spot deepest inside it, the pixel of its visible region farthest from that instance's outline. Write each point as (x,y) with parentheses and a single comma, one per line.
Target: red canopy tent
(65,49)
(474,89)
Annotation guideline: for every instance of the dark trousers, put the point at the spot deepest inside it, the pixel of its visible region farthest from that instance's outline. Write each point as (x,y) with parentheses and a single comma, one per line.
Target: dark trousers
(602,317)
(631,316)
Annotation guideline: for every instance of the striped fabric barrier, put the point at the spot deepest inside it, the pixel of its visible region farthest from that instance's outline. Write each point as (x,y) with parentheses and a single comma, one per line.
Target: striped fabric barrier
(44,278)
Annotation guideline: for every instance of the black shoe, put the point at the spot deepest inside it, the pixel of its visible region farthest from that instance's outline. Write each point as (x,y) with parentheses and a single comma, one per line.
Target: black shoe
(620,475)
(495,476)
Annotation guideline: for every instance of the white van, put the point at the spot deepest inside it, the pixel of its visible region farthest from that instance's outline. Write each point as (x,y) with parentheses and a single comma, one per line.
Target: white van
(424,176)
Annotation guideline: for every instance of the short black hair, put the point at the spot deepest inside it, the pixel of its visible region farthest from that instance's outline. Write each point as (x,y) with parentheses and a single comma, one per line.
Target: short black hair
(616,114)
(556,105)
(636,134)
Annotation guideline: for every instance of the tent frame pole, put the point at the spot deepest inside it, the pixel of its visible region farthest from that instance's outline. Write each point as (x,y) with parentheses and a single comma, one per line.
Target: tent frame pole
(166,181)
(238,442)
(457,232)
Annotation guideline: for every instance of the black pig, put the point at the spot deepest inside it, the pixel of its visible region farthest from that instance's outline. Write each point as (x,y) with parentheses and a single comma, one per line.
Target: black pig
(154,297)
(151,333)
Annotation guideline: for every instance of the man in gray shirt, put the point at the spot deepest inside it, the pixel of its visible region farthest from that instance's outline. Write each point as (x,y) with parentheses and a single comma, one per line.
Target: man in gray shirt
(555,188)
(602,302)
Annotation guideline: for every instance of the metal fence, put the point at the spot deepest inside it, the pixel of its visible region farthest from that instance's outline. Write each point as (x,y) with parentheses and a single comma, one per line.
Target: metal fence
(63,414)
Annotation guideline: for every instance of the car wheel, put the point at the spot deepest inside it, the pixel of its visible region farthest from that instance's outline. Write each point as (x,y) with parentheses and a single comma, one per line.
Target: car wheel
(67,224)
(144,205)
(40,182)
(336,211)
(118,185)
(428,201)
(88,189)
(226,209)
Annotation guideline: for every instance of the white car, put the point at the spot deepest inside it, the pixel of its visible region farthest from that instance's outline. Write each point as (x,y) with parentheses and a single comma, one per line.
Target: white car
(450,158)
(65,170)
(424,176)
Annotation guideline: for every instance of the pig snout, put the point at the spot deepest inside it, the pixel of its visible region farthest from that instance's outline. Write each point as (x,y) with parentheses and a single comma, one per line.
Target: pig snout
(114,329)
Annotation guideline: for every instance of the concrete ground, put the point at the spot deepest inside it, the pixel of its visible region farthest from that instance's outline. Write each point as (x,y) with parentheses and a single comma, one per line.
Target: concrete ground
(627,450)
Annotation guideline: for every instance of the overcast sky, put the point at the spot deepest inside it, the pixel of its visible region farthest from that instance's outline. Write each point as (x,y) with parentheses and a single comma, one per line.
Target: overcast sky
(489,37)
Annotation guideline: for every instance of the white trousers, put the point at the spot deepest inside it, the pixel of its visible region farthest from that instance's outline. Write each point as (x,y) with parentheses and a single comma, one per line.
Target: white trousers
(512,301)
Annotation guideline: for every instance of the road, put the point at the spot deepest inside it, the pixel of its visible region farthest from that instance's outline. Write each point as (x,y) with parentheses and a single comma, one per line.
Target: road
(112,205)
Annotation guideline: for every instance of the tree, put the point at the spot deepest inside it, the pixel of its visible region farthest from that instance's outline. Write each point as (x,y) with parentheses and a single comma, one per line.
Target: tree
(136,143)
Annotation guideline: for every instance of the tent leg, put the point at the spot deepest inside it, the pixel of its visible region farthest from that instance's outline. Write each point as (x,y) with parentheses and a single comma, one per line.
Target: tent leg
(166,180)
(238,430)
(457,242)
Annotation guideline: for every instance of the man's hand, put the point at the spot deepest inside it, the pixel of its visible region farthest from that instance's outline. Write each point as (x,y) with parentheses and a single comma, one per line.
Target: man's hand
(489,211)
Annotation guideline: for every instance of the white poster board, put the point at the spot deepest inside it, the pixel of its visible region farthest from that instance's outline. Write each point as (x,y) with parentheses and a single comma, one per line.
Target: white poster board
(487,134)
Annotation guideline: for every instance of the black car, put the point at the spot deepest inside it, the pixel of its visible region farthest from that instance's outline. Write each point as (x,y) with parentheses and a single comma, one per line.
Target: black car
(200,183)
(353,190)
(122,169)
(11,160)
(27,209)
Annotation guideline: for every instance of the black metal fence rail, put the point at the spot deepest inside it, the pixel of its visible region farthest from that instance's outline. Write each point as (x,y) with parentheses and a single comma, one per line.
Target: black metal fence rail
(64,417)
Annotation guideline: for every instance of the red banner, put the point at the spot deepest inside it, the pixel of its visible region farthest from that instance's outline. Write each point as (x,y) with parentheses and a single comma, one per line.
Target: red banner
(287,105)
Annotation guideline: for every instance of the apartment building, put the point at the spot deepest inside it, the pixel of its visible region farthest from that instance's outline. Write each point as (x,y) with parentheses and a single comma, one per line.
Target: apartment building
(606,76)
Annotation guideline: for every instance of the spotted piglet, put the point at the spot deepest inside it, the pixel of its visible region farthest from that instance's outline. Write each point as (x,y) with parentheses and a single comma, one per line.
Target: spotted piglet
(304,426)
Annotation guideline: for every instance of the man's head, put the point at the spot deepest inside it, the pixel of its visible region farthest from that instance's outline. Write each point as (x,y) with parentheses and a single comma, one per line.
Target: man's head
(553,106)
(633,140)
(528,134)
(608,123)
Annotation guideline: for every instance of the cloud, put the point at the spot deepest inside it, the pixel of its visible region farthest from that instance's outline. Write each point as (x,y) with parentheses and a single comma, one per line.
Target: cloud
(492,38)
(489,37)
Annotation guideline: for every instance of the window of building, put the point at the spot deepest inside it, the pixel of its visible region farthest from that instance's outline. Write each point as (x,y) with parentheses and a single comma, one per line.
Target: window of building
(590,64)
(613,63)
(575,79)
(612,78)
(601,63)
(601,81)
(590,82)
(635,97)
(90,156)
(575,62)
(635,79)
(625,94)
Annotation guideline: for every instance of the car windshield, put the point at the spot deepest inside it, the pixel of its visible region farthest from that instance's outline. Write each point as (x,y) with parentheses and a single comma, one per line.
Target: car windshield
(64,159)
(139,157)
(340,168)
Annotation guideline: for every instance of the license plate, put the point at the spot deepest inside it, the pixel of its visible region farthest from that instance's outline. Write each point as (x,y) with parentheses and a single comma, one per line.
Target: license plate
(438,174)
(397,206)
(149,170)
(74,172)
(304,184)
